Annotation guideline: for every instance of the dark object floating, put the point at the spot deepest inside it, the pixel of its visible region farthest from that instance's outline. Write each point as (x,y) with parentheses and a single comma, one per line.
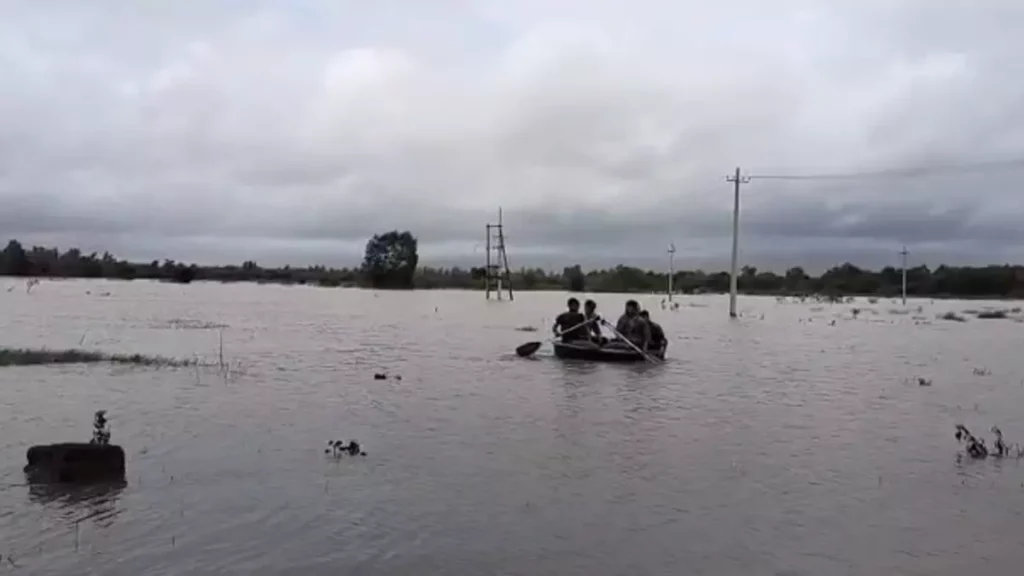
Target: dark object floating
(75,463)
(380,376)
(588,351)
(527,349)
(338,448)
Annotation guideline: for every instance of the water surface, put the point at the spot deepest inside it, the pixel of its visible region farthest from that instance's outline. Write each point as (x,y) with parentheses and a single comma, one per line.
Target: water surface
(777,443)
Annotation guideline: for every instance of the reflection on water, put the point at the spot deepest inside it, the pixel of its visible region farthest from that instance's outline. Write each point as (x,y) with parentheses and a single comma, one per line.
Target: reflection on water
(782,445)
(96,503)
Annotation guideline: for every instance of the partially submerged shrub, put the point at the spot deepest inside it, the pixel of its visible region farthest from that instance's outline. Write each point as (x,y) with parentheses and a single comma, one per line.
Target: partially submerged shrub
(44,356)
(337,448)
(100,430)
(976,446)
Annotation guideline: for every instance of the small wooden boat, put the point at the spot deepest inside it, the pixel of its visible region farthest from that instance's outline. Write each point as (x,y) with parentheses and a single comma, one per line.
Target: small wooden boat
(608,353)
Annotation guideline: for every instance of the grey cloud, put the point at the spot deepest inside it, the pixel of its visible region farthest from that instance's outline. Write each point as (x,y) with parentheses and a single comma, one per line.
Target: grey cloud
(604,130)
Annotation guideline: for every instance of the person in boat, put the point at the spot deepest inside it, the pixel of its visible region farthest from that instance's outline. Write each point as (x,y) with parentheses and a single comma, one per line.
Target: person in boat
(657,333)
(571,324)
(590,313)
(633,327)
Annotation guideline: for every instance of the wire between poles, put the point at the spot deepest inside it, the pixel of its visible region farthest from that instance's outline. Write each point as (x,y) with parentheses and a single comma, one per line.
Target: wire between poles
(910,172)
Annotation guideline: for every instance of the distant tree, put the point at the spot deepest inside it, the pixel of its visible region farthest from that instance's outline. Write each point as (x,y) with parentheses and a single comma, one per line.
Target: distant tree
(185,274)
(575,280)
(392,262)
(14,260)
(391,259)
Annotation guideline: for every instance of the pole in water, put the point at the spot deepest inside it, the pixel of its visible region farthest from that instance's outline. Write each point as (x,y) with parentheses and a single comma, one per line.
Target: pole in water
(671,268)
(737,179)
(903,266)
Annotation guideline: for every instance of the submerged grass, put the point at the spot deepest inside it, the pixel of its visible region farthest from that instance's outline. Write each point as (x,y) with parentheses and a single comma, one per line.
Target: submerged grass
(44,356)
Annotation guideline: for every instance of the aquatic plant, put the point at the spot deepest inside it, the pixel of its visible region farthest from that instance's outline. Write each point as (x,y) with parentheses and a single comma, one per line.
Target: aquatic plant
(45,356)
(100,429)
(337,448)
(977,449)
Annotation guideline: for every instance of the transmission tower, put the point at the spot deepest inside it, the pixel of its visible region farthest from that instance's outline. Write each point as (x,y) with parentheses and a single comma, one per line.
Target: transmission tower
(498,277)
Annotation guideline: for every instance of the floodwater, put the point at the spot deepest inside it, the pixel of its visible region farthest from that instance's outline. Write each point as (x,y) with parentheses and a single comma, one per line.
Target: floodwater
(777,443)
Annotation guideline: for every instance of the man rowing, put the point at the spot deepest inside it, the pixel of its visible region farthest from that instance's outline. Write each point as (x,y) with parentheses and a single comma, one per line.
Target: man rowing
(633,327)
(571,325)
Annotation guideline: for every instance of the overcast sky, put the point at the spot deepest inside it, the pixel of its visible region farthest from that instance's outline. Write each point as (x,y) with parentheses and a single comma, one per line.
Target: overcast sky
(289,132)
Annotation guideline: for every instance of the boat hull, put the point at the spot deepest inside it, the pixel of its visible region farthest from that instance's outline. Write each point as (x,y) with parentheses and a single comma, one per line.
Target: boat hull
(594,353)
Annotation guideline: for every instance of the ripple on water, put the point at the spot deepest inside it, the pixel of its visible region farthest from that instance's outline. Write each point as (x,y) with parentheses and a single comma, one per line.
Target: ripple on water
(778,446)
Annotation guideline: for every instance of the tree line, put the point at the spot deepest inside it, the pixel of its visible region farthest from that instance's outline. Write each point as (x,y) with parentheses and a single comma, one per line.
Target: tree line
(391,261)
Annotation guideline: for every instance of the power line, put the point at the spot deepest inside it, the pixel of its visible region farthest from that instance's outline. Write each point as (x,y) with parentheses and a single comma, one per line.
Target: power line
(908,172)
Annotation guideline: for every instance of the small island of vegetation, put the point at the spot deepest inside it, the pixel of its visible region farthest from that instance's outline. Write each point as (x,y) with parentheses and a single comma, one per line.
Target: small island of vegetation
(392,262)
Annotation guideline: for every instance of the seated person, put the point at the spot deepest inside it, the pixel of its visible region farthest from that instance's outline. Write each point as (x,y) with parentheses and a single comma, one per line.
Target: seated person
(571,324)
(657,333)
(632,327)
(590,312)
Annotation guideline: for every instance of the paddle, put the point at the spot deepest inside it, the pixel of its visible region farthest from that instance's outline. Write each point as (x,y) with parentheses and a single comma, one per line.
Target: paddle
(646,356)
(529,348)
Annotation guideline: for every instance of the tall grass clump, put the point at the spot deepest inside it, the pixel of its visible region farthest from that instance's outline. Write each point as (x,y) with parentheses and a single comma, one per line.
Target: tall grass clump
(45,356)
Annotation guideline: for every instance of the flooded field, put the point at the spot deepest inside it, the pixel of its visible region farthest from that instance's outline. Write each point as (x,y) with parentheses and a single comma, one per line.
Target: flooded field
(795,440)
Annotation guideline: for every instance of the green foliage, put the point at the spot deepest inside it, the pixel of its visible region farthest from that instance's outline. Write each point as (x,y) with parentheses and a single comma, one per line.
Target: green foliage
(392,262)
(44,356)
(575,280)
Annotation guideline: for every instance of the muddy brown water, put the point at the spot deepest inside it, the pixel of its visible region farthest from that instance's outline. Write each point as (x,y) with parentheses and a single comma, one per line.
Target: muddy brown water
(774,444)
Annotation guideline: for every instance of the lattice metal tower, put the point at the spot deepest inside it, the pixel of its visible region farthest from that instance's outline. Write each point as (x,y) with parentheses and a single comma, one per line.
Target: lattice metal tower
(498,277)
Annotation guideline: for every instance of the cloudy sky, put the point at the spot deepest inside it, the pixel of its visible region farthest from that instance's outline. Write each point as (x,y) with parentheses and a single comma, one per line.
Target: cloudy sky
(222,130)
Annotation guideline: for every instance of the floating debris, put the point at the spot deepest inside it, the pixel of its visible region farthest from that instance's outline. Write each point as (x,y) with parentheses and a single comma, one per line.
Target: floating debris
(923,381)
(526,329)
(982,372)
(953,316)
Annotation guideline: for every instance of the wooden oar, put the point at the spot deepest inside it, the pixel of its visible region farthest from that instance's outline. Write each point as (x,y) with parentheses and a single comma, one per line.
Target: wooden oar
(646,356)
(529,348)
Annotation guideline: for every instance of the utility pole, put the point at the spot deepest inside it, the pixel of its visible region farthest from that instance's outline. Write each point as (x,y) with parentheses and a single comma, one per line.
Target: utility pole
(903,266)
(671,268)
(737,179)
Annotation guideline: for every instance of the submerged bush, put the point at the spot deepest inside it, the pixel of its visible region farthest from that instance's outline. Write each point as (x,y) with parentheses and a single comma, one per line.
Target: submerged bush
(44,356)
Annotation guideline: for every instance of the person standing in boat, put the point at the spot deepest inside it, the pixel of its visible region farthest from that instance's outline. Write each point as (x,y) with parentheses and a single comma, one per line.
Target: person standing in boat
(571,324)
(590,312)
(632,327)
(657,333)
